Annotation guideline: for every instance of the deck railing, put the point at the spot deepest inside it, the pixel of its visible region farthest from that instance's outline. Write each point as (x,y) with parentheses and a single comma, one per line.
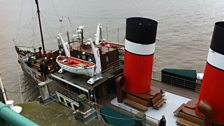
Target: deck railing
(53,87)
(177,81)
(112,67)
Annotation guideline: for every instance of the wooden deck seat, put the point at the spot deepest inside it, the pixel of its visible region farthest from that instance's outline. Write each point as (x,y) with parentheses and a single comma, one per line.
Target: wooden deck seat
(191,104)
(178,110)
(191,112)
(135,105)
(145,96)
(156,98)
(183,122)
(142,96)
(159,103)
(138,100)
(191,118)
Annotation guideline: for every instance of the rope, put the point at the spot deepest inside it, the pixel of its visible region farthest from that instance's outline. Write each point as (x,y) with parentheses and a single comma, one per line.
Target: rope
(71,25)
(58,16)
(55,10)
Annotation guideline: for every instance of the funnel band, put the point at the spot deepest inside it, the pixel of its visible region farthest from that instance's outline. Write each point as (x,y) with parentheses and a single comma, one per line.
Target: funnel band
(140,49)
(215,59)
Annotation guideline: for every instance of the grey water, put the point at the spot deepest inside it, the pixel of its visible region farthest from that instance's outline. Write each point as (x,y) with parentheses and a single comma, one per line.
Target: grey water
(183,36)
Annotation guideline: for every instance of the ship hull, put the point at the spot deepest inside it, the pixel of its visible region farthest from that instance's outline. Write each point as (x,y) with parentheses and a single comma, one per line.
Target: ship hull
(34,75)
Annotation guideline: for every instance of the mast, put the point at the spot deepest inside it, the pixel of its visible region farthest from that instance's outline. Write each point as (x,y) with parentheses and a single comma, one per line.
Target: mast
(41,32)
(68,38)
(82,36)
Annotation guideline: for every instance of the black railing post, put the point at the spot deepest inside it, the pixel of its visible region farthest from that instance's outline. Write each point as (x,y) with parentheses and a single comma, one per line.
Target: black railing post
(162,121)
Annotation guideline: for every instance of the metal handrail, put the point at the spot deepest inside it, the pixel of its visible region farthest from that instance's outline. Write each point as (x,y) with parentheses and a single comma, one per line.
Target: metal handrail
(190,84)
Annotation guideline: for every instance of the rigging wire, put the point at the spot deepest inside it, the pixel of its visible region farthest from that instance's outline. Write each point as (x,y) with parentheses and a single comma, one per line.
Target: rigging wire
(71,25)
(62,28)
(60,18)
(34,24)
(88,18)
(33,32)
(26,27)
(55,10)
(19,21)
(47,28)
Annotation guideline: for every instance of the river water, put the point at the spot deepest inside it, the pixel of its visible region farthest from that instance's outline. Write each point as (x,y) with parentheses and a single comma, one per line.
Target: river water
(183,38)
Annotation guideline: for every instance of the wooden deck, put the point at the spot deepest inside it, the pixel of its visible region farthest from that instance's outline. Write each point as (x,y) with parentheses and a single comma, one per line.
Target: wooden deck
(175,90)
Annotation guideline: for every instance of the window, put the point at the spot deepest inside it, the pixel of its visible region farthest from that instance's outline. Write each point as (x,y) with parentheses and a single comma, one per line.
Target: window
(107,59)
(68,103)
(61,99)
(75,107)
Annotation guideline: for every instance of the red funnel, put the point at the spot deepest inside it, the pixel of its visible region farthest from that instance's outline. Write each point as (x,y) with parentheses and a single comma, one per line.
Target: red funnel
(212,89)
(139,54)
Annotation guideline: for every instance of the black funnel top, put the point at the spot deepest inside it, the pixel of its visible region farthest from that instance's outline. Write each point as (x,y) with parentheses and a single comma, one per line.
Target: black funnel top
(217,43)
(141,30)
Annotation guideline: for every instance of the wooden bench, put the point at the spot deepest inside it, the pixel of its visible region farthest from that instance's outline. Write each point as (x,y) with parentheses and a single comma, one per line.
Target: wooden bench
(135,105)
(178,110)
(156,98)
(193,119)
(142,96)
(159,103)
(191,104)
(183,122)
(138,100)
(191,112)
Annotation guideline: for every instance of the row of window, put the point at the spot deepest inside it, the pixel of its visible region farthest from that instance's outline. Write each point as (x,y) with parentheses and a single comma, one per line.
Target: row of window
(67,101)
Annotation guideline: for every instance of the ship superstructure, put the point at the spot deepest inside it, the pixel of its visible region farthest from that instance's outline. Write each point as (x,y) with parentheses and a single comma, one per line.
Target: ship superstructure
(97,70)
